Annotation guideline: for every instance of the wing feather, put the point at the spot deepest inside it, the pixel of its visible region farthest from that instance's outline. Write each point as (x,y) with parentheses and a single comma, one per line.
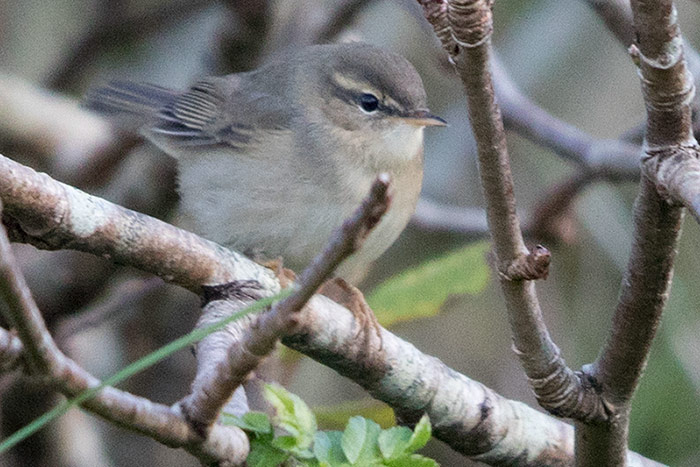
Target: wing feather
(211,113)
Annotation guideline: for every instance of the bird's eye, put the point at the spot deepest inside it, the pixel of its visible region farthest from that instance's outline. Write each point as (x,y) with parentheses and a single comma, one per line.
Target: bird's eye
(369,102)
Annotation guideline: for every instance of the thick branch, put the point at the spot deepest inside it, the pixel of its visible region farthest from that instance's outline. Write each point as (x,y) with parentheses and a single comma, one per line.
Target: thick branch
(160,422)
(406,384)
(670,150)
(657,224)
(470,417)
(52,215)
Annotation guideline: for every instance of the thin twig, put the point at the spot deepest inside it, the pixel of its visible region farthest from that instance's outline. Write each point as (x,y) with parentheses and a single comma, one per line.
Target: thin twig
(22,313)
(225,359)
(345,242)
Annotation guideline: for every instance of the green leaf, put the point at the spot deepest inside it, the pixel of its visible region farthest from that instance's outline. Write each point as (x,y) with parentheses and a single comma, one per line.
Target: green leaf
(336,416)
(262,454)
(359,441)
(310,462)
(354,438)
(328,449)
(257,422)
(421,291)
(394,441)
(136,367)
(413,460)
(421,434)
(285,443)
(292,414)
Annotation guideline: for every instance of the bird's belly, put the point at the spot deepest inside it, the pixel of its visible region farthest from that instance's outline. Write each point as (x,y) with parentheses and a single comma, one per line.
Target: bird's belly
(243,204)
(244,212)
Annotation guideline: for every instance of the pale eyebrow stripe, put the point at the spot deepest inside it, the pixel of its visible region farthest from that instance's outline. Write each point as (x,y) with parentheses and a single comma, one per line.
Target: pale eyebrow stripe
(350,85)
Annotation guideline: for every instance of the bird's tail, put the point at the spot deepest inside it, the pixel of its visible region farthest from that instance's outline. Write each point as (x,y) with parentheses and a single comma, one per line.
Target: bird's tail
(125,97)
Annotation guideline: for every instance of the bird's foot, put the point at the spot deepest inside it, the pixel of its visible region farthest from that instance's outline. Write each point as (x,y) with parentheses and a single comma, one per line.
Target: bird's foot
(350,296)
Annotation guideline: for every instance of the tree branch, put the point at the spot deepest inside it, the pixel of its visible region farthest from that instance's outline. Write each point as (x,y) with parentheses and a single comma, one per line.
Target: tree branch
(52,215)
(41,352)
(160,422)
(669,163)
(404,384)
(226,358)
(468,41)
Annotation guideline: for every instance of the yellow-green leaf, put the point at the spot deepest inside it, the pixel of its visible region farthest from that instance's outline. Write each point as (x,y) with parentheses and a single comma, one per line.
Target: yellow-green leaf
(420,292)
(336,416)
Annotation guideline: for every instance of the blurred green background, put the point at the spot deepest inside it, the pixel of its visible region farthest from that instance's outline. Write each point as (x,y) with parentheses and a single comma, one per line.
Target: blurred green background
(557,51)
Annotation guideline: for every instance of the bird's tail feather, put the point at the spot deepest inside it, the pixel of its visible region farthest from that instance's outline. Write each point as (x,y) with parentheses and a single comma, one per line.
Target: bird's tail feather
(126,97)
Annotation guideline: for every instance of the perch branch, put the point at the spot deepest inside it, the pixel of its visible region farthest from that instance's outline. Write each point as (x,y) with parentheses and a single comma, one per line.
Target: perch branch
(226,358)
(43,358)
(469,429)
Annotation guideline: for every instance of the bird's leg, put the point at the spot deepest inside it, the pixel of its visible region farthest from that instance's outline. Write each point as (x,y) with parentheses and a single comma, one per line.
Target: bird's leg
(284,275)
(350,296)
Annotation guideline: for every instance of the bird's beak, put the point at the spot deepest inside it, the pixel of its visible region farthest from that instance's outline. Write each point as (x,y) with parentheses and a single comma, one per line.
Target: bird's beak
(422,118)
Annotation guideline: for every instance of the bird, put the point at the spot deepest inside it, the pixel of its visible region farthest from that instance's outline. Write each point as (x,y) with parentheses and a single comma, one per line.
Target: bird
(271,161)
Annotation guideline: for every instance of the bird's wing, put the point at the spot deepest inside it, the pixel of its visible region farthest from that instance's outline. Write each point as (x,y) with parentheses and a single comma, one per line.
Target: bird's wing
(215,111)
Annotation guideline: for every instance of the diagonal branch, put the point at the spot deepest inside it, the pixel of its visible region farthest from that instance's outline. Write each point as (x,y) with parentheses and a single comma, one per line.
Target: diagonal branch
(410,380)
(43,357)
(670,177)
(226,358)
(52,215)
(556,386)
